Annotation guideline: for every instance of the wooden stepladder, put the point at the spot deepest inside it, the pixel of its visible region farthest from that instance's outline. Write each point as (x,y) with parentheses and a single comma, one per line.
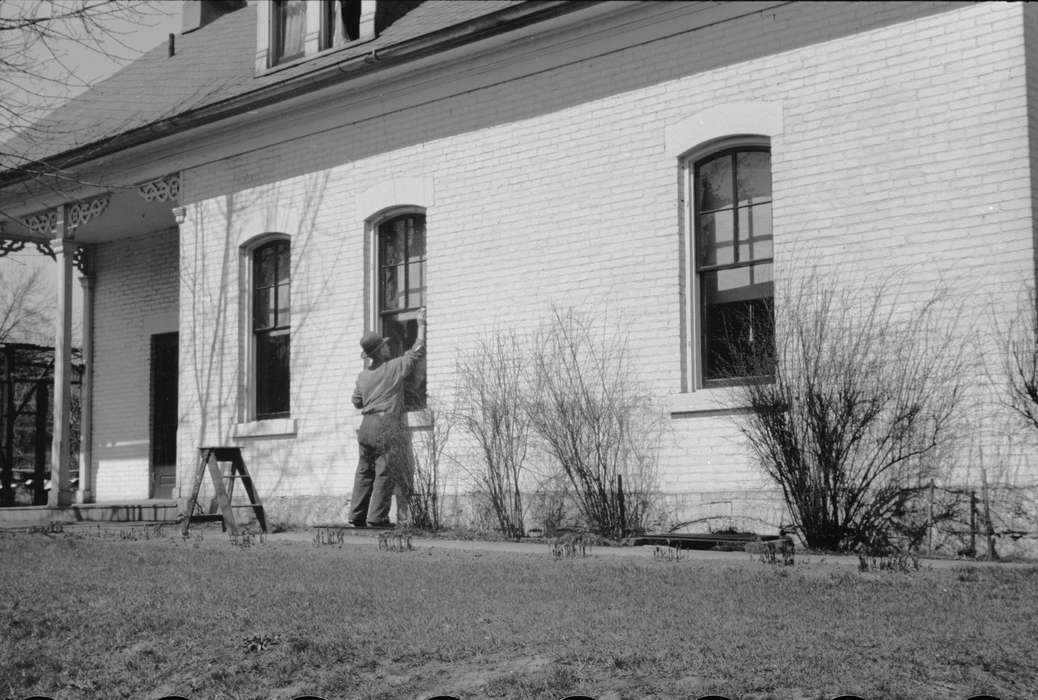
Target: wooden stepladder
(210,458)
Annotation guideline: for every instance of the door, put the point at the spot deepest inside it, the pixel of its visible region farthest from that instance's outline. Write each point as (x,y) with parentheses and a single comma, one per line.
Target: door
(164,351)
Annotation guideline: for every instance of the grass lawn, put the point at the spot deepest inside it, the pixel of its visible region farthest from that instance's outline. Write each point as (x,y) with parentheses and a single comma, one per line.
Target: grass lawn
(89,617)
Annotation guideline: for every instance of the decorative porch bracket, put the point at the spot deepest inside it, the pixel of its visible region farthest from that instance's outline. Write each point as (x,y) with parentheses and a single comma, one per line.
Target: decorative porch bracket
(45,225)
(163,189)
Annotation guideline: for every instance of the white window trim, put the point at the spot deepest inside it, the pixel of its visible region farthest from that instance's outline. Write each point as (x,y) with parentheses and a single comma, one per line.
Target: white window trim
(248,425)
(722,126)
(274,427)
(311,44)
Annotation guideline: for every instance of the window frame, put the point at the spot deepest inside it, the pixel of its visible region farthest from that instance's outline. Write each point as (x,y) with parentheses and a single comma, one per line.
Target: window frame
(251,376)
(408,313)
(374,267)
(695,342)
(325,28)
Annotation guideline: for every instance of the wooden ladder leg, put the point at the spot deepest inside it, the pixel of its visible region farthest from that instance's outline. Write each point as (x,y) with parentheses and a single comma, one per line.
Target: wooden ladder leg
(250,489)
(192,500)
(221,496)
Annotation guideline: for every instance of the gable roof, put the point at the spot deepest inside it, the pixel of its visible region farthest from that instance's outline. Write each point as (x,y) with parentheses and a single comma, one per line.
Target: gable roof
(212,74)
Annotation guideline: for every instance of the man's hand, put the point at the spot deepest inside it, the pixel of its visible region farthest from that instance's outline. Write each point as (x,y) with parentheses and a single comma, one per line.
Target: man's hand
(421,316)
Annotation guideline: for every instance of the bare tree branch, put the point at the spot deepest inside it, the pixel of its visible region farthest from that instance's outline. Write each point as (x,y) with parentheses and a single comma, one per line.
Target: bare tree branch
(37,71)
(24,314)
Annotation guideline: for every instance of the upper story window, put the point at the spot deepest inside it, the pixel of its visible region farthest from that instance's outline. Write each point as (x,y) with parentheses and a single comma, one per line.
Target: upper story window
(401,292)
(294,29)
(732,261)
(271,315)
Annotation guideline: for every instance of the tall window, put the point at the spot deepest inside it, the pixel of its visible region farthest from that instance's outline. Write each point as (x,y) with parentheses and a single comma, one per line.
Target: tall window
(271,305)
(401,292)
(288,30)
(733,262)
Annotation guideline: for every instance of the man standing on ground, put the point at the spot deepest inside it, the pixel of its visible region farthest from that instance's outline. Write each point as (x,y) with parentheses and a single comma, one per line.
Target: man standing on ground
(382,436)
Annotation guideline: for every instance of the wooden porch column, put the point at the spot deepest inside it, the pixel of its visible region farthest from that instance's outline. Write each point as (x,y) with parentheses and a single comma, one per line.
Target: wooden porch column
(85,493)
(64,249)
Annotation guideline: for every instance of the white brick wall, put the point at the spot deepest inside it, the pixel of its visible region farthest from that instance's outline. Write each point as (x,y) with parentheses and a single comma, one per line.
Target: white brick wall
(903,151)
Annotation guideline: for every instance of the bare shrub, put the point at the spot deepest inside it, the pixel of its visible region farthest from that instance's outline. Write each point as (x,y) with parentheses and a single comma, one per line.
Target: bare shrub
(863,391)
(597,420)
(550,499)
(491,391)
(1020,360)
(426,493)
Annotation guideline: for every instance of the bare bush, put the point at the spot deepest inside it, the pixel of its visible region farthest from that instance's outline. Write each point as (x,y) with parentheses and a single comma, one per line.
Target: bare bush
(492,384)
(863,391)
(1020,360)
(425,496)
(597,420)
(38,42)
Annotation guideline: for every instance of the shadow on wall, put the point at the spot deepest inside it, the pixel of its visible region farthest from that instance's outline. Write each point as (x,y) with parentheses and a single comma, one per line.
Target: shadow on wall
(218,311)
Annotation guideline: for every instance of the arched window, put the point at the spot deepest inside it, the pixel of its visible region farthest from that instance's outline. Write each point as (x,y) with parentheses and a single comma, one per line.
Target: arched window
(732,262)
(401,291)
(271,316)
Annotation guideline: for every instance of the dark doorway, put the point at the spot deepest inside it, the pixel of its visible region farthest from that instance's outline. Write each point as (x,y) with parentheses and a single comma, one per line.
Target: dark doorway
(164,351)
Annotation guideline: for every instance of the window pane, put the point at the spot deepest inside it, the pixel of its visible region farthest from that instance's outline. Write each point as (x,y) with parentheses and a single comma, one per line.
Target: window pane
(737,321)
(716,236)
(714,184)
(265,266)
(283,267)
(272,374)
(402,334)
(739,341)
(416,239)
(351,18)
(393,239)
(290,19)
(388,289)
(753,174)
(328,25)
(416,285)
(263,309)
(727,280)
(755,232)
(284,306)
(762,274)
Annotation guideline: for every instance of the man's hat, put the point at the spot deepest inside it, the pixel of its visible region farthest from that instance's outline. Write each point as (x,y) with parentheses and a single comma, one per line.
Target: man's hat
(371,342)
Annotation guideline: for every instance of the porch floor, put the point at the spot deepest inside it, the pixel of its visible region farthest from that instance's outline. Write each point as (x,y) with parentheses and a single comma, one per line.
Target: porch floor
(150,511)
